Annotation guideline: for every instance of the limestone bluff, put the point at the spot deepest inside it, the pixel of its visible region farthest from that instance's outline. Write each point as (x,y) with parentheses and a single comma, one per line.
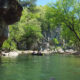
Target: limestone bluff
(10,12)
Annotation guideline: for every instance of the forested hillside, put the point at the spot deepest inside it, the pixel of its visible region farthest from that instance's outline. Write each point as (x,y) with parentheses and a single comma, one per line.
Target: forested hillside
(56,24)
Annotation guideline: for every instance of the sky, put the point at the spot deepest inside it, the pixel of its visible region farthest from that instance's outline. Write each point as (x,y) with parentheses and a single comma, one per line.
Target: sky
(44,2)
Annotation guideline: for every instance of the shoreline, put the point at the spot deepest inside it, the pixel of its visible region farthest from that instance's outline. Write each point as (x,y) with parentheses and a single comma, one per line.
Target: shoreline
(45,52)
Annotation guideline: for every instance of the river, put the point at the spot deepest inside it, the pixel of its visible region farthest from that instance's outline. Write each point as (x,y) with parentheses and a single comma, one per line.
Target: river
(48,67)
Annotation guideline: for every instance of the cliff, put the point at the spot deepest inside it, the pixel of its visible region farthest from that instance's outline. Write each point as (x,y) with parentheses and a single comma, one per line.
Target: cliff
(10,12)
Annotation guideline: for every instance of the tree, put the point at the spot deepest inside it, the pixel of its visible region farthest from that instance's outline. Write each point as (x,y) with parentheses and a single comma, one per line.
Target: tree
(32,35)
(66,13)
(30,4)
(32,29)
(26,31)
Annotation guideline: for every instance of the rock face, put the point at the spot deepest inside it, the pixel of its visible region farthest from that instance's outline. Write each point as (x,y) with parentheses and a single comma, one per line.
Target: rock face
(3,32)
(10,12)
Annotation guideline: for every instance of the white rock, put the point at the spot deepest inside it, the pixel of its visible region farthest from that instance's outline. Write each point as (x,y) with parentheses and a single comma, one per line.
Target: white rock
(61,50)
(13,54)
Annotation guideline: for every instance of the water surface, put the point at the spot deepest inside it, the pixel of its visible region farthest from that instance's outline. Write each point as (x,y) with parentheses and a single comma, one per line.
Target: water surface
(27,67)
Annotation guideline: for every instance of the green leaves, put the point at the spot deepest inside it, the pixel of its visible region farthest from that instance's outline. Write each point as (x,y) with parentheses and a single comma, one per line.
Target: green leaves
(65,13)
(55,41)
(32,35)
(29,4)
(9,45)
(27,31)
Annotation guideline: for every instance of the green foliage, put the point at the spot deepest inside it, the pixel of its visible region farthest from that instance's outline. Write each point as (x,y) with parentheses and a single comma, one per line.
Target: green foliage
(31,28)
(27,31)
(33,31)
(32,35)
(6,45)
(30,4)
(9,45)
(55,41)
(66,13)
(63,13)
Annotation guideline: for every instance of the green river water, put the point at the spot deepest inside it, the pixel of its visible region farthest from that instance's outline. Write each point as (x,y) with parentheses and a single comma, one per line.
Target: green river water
(27,67)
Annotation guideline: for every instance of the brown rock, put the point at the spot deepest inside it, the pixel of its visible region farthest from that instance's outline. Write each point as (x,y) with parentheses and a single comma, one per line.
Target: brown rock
(10,12)
(14,13)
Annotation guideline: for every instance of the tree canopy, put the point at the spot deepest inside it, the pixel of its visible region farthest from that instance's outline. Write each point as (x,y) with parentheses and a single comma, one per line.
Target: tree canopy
(58,22)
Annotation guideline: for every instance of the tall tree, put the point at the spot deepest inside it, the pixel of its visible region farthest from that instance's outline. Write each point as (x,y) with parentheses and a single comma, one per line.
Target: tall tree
(30,4)
(67,12)
(27,32)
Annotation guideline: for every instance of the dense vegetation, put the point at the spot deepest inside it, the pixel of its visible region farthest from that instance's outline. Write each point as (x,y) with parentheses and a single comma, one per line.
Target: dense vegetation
(38,23)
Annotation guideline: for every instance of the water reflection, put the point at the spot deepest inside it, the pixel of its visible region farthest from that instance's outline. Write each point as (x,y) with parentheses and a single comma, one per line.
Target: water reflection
(27,67)
(2,70)
(0,60)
